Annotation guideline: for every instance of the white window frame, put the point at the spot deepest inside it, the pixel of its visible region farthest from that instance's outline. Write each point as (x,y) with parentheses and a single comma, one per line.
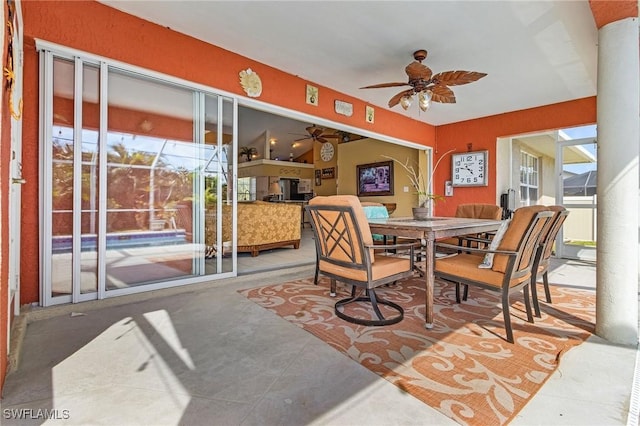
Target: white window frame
(526,170)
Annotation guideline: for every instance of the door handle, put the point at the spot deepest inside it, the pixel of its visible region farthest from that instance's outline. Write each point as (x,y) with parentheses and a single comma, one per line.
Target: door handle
(21,181)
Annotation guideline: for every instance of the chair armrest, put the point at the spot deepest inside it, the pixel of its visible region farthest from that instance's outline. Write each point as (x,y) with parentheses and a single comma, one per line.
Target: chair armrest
(477,250)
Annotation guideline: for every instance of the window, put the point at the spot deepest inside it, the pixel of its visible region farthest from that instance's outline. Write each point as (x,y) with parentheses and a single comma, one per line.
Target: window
(528,179)
(247,189)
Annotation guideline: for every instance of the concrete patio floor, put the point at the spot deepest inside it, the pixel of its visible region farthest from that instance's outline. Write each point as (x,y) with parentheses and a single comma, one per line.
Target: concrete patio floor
(204,354)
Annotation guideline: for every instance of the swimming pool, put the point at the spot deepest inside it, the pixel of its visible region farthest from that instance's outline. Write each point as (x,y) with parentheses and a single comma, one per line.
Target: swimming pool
(63,243)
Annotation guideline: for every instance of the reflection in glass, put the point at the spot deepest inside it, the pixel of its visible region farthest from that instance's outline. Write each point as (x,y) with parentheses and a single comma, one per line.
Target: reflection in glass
(90,172)
(62,176)
(163,168)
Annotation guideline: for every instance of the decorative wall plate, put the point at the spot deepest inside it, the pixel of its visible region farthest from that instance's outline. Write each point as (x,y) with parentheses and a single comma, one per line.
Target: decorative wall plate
(251,83)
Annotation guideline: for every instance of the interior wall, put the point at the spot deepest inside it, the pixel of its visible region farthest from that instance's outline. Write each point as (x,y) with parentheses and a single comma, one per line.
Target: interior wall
(483,134)
(366,151)
(322,169)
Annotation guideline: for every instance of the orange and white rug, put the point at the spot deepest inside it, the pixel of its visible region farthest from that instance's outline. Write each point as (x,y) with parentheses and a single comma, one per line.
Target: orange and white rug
(462,367)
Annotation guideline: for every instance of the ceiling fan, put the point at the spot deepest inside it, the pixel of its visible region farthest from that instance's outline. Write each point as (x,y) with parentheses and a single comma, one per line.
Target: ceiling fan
(429,87)
(317,134)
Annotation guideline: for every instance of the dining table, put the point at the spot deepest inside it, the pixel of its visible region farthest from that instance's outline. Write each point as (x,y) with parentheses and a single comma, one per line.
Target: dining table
(428,231)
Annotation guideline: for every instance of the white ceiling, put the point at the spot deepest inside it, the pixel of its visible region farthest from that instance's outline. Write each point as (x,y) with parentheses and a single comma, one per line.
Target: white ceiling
(534,52)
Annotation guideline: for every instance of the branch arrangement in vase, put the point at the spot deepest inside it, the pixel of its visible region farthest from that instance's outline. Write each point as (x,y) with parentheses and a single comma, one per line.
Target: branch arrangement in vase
(418,180)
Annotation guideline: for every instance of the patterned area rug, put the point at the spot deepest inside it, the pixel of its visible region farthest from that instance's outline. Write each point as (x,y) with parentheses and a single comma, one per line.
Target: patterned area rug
(462,367)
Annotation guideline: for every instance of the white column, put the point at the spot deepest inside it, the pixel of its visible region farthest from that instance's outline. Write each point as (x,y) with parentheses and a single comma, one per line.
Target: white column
(618,182)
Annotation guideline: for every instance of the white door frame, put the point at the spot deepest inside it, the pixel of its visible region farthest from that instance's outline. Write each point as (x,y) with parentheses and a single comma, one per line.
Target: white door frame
(564,250)
(15,168)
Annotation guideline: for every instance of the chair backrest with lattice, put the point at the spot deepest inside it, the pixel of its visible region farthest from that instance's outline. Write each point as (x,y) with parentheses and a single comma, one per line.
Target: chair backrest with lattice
(342,231)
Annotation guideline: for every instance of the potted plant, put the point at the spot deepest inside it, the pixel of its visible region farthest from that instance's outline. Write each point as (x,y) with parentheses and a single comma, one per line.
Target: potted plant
(248,152)
(422,186)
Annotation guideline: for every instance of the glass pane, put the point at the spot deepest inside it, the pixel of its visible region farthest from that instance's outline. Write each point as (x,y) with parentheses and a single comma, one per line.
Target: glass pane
(218,186)
(150,166)
(579,170)
(62,177)
(90,173)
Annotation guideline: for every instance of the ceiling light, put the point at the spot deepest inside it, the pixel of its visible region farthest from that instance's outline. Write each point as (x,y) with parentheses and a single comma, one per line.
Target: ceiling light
(424,99)
(405,102)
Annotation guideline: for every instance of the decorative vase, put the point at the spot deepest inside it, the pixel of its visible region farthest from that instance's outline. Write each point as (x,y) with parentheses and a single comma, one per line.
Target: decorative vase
(421,213)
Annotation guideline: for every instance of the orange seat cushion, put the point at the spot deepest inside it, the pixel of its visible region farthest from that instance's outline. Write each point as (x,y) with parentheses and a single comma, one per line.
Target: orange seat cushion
(465,265)
(384,266)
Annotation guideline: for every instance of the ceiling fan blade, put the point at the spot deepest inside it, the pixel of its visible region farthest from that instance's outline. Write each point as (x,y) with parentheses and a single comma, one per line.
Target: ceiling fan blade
(321,139)
(317,132)
(396,99)
(456,78)
(416,71)
(330,136)
(442,94)
(377,86)
(302,139)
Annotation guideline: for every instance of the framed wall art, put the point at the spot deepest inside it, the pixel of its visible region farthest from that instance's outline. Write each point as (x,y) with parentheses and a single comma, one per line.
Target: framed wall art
(375,179)
(329,173)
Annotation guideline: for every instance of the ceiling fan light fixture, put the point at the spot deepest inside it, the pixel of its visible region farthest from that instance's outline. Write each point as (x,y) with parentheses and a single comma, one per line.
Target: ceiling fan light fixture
(424,99)
(405,102)
(420,77)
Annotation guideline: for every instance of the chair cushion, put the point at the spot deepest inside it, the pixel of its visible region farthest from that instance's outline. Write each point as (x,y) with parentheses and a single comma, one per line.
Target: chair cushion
(375,211)
(465,266)
(479,211)
(512,237)
(384,266)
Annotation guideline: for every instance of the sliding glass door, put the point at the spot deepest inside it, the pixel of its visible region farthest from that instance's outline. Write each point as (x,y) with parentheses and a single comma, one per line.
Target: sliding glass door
(137,181)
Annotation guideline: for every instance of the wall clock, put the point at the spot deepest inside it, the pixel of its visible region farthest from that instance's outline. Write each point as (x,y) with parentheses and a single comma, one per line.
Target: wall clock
(326,151)
(469,169)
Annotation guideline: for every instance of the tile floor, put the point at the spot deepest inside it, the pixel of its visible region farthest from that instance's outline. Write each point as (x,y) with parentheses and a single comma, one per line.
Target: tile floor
(204,355)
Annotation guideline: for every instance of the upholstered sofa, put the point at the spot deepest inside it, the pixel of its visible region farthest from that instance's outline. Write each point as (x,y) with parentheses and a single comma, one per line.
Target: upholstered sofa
(261,226)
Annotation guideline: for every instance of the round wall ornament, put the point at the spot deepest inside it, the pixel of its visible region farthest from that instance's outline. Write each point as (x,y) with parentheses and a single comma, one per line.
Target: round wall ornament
(251,83)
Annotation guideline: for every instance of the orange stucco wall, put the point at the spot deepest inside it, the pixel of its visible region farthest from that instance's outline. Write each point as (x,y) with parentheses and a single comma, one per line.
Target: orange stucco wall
(607,11)
(482,133)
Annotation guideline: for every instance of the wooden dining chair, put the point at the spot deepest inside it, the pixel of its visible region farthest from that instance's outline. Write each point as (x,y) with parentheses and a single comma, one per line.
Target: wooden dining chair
(510,268)
(346,253)
(543,255)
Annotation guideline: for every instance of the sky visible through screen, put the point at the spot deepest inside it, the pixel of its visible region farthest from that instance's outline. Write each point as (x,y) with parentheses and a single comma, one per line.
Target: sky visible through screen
(581,133)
